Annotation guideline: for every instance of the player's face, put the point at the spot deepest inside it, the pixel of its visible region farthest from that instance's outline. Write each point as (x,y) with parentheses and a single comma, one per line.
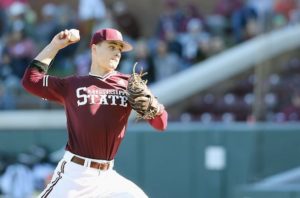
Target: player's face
(108,54)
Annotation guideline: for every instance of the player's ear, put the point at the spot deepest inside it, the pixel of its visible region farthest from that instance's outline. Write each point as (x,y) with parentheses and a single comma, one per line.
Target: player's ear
(93,47)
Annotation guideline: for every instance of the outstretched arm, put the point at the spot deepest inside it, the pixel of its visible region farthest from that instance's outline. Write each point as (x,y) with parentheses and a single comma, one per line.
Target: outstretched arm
(145,103)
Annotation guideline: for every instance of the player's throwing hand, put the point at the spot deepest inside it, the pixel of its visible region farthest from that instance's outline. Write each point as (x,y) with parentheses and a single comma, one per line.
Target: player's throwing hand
(65,38)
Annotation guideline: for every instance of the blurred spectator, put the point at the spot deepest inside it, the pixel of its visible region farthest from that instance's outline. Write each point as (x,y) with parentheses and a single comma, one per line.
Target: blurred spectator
(285,7)
(20,16)
(225,8)
(83,62)
(295,14)
(145,60)
(125,21)
(194,42)
(170,19)
(63,62)
(21,49)
(7,3)
(3,21)
(142,56)
(9,85)
(218,22)
(279,21)
(66,17)
(47,25)
(244,23)
(173,43)
(42,169)
(17,180)
(166,64)
(90,11)
(16,14)
(190,11)
(8,100)
(216,45)
(217,25)
(106,22)
(264,11)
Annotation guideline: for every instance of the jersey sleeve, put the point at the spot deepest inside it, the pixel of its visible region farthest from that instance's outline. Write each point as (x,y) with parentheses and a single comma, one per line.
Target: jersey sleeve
(160,122)
(37,82)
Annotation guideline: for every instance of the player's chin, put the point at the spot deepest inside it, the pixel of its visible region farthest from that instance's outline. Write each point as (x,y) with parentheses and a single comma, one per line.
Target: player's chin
(114,64)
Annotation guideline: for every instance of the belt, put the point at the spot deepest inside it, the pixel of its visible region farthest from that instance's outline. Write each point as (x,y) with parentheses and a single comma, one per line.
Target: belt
(96,165)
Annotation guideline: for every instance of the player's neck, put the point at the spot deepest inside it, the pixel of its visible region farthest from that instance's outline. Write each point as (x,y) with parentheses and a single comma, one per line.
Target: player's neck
(98,71)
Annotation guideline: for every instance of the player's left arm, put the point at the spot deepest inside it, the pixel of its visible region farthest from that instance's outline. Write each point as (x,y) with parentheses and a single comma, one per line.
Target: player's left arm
(160,121)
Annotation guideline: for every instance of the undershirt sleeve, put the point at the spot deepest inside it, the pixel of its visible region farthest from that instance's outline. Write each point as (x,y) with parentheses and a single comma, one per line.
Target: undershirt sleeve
(160,122)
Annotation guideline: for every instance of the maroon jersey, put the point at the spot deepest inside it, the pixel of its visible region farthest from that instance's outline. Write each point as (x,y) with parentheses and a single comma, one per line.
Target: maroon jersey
(96,108)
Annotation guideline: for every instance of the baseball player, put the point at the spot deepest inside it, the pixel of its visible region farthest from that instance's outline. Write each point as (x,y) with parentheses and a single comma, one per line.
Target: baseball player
(97,112)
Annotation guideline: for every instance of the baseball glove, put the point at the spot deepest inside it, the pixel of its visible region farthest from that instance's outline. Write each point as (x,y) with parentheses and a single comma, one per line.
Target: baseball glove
(140,97)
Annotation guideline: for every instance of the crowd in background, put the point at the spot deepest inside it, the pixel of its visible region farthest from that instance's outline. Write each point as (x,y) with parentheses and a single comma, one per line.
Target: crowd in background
(181,37)
(27,173)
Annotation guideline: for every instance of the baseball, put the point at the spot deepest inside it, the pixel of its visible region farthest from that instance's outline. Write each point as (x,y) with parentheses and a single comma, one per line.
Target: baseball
(74,35)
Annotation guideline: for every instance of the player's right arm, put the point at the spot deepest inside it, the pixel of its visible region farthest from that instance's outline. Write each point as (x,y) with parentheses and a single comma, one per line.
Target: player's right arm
(59,41)
(36,80)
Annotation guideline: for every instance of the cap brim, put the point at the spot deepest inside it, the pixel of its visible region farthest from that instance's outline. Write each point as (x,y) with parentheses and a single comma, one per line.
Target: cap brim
(126,46)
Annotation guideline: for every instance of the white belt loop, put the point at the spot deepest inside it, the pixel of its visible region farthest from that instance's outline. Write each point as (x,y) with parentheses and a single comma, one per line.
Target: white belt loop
(86,163)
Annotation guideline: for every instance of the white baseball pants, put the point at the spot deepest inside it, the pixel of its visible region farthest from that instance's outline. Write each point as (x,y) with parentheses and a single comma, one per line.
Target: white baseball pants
(71,180)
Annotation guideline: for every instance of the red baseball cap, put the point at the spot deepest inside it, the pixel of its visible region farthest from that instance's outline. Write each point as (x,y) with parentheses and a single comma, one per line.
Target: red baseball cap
(109,34)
